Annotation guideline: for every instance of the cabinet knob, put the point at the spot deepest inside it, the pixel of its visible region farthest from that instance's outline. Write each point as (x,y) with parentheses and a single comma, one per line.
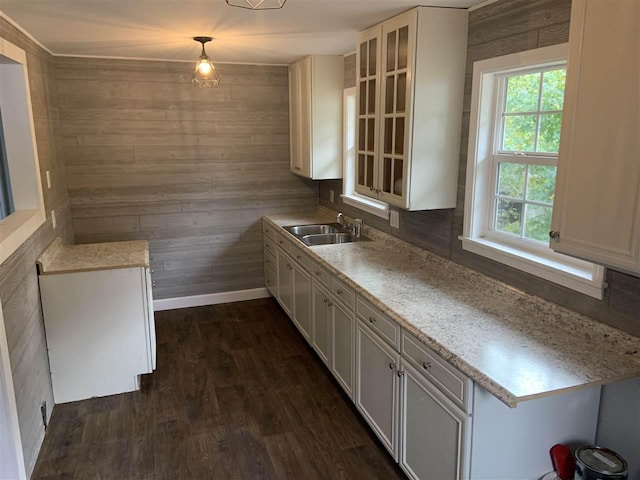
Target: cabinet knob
(426,365)
(372,320)
(554,235)
(298,257)
(329,304)
(297,168)
(339,292)
(400,373)
(326,300)
(392,365)
(153,284)
(318,274)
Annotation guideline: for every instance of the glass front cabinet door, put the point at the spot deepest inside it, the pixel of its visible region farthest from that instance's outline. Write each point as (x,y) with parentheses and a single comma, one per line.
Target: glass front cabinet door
(410,83)
(368,75)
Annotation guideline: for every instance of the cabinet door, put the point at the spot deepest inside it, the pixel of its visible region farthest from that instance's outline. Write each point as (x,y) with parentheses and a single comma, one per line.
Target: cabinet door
(433,431)
(398,47)
(305,107)
(302,301)
(150,320)
(321,322)
(597,197)
(368,56)
(285,282)
(295,130)
(376,390)
(342,346)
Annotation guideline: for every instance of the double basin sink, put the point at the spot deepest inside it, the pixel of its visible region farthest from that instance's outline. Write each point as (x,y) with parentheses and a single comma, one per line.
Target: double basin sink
(323,234)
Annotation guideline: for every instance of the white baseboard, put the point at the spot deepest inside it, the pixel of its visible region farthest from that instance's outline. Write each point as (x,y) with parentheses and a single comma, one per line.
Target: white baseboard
(209,299)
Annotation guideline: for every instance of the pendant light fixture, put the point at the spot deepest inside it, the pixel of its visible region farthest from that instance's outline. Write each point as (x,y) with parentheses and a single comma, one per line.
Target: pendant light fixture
(257,4)
(205,74)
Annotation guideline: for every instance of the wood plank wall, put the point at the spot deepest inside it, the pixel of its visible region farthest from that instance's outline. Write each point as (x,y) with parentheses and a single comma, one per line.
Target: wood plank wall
(18,279)
(191,170)
(501,28)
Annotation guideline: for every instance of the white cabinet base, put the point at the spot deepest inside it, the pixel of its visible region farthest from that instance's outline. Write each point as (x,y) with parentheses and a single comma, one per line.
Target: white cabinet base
(98,332)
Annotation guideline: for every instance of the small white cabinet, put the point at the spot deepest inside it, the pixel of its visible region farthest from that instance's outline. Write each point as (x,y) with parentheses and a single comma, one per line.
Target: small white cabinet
(315,116)
(100,331)
(322,311)
(302,301)
(434,433)
(285,281)
(377,367)
(596,213)
(342,358)
(410,83)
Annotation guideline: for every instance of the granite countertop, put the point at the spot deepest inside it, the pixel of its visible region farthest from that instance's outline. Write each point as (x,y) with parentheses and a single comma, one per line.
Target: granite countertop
(59,258)
(515,345)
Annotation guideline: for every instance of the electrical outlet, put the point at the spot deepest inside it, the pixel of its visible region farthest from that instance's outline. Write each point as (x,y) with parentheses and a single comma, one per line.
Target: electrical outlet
(394,218)
(48,175)
(332,197)
(53,219)
(43,412)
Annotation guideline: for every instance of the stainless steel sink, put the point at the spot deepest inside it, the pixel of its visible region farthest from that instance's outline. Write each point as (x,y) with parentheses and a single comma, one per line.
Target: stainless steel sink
(302,230)
(329,239)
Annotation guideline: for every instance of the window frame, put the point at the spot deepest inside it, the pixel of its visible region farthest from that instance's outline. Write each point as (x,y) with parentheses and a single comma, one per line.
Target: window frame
(349,194)
(21,149)
(529,256)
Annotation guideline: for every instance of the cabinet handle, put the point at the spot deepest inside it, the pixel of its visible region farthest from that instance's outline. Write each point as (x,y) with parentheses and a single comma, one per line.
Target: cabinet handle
(392,365)
(426,365)
(372,320)
(554,235)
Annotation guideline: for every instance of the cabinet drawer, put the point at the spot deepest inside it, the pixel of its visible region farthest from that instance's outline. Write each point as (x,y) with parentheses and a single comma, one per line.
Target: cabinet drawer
(269,246)
(383,325)
(283,242)
(449,380)
(343,293)
(269,260)
(321,274)
(268,230)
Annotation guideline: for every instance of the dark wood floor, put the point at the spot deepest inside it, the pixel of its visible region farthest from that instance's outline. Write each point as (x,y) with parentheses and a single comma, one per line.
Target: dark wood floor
(237,394)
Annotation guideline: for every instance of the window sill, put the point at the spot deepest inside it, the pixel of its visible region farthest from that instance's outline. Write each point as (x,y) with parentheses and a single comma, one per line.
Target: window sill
(17,228)
(589,281)
(374,207)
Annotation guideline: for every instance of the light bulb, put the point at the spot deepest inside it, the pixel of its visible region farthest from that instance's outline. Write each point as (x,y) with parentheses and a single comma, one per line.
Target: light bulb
(204,67)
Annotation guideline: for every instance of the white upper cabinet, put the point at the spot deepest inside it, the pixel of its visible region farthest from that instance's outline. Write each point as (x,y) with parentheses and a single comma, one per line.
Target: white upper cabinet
(597,200)
(315,116)
(410,83)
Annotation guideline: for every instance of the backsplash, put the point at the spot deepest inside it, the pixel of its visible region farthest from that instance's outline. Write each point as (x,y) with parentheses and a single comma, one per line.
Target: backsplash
(191,170)
(501,28)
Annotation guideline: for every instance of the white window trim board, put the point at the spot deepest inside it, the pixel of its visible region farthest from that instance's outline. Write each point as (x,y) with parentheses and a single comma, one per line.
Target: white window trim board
(22,152)
(585,278)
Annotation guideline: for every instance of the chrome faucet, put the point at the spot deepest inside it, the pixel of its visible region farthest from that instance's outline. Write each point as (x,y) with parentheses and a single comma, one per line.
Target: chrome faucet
(354,228)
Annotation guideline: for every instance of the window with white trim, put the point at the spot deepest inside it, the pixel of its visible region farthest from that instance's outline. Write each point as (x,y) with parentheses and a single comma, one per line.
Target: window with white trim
(22,200)
(349,194)
(514,138)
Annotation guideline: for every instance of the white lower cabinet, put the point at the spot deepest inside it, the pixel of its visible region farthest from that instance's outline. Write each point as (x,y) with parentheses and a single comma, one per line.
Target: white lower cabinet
(98,346)
(284,281)
(301,286)
(376,385)
(342,358)
(434,433)
(436,423)
(322,313)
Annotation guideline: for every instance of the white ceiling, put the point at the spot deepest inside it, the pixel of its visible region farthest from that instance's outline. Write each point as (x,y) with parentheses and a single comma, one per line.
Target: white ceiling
(162,29)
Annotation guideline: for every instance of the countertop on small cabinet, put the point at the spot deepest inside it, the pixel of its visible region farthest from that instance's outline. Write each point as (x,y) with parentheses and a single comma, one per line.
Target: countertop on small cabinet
(59,258)
(515,345)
